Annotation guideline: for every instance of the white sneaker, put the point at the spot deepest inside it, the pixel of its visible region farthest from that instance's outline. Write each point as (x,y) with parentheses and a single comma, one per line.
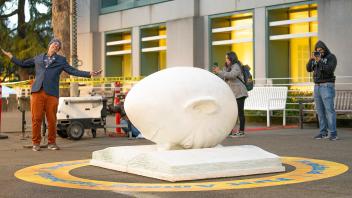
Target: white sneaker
(140,136)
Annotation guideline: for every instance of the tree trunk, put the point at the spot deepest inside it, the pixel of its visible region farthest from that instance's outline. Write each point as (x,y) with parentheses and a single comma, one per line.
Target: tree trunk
(21,20)
(23,74)
(61,28)
(21,32)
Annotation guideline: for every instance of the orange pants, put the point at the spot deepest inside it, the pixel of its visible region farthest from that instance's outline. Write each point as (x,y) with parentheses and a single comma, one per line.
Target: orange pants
(43,103)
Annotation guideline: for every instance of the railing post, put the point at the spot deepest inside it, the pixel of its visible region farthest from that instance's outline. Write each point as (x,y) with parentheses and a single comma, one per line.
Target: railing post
(23,112)
(301,114)
(23,123)
(1,136)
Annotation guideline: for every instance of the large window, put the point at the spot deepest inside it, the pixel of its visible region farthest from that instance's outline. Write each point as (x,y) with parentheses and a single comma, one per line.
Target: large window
(108,3)
(117,5)
(153,49)
(118,54)
(293,33)
(232,33)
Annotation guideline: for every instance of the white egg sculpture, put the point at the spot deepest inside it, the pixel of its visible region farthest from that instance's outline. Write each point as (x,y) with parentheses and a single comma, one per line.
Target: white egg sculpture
(182,108)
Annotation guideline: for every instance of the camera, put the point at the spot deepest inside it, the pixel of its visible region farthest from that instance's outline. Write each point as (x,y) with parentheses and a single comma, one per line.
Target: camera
(317,54)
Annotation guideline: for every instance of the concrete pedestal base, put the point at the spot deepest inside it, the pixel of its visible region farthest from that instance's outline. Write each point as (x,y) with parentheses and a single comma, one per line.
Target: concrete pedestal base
(192,164)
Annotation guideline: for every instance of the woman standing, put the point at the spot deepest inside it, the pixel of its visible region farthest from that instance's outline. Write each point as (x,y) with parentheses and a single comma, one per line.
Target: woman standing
(233,75)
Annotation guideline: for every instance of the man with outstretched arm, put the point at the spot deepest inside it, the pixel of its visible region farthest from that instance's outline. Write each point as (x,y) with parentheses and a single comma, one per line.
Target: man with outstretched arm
(45,89)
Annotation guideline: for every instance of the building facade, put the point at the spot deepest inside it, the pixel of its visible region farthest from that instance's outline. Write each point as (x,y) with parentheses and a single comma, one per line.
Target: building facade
(274,37)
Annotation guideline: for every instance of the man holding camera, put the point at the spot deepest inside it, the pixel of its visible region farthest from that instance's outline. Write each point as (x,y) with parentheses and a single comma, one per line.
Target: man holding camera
(323,63)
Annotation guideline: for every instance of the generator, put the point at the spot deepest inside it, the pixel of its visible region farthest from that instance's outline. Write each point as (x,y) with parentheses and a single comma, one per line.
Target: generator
(75,114)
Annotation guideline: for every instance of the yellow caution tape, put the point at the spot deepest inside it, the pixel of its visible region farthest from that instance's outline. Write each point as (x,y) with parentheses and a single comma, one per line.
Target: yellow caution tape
(15,84)
(101,80)
(64,83)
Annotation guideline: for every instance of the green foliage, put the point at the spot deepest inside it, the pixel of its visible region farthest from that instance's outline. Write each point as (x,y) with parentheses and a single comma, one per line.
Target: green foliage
(38,33)
(294,97)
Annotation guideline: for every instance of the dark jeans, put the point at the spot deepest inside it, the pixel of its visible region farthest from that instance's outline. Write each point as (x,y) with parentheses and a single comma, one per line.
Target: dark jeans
(240,107)
(130,127)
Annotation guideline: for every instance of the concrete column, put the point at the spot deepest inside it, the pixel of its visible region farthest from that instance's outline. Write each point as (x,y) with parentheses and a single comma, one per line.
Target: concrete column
(206,43)
(102,53)
(259,45)
(136,48)
(96,36)
(198,37)
(180,42)
(185,40)
(88,40)
(199,45)
(334,30)
(97,48)
(87,33)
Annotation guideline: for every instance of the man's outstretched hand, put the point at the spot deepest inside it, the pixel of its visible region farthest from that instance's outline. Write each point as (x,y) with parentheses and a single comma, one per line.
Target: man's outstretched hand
(95,73)
(8,54)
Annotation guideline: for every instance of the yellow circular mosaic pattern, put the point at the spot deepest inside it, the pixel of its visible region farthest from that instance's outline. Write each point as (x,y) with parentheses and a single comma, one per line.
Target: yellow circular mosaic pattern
(58,174)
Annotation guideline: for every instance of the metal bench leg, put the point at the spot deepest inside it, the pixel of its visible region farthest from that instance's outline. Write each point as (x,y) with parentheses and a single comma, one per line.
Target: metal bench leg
(284,118)
(316,116)
(268,118)
(300,114)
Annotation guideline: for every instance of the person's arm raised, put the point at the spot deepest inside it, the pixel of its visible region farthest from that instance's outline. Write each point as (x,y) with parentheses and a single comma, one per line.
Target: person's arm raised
(95,73)
(26,63)
(75,72)
(8,54)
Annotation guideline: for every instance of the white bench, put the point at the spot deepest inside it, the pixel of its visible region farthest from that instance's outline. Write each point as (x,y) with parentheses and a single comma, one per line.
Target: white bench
(267,99)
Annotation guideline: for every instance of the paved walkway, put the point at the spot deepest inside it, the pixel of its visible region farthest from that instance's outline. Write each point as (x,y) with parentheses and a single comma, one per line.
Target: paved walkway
(290,142)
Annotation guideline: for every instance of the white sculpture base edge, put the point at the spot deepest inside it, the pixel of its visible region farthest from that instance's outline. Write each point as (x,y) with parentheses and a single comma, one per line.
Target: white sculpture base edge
(192,164)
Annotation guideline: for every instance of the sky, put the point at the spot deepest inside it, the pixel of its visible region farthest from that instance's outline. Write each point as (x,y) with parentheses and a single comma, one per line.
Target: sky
(13,19)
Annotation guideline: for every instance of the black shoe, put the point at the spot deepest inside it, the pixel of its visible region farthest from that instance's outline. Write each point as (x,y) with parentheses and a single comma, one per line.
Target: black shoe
(237,134)
(333,137)
(320,136)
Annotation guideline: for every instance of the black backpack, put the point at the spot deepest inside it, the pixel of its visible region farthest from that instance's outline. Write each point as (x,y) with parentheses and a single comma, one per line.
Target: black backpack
(248,78)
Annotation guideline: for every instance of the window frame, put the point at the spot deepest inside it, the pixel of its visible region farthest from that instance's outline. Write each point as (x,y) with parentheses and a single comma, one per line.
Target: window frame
(267,27)
(129,30)
(141,28)
(210,41)
(135,4)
